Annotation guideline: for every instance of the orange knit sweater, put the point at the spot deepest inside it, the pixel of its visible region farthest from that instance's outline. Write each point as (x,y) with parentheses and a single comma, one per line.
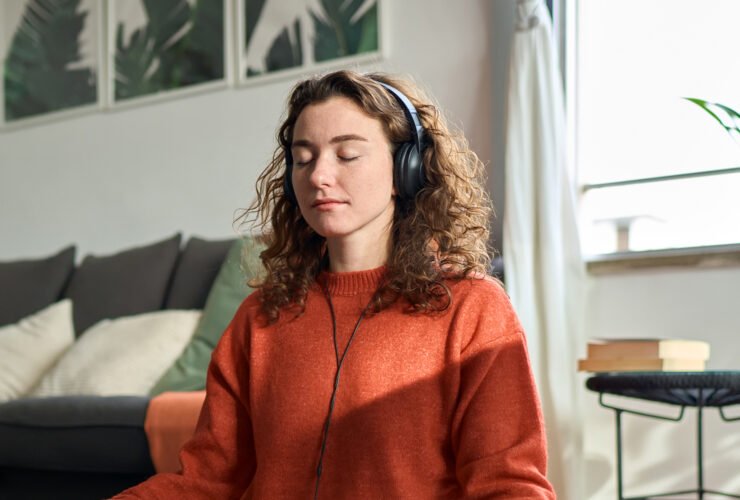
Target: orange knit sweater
(428,406)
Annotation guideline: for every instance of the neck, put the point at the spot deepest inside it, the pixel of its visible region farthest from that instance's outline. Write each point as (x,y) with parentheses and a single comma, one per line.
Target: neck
(348,256)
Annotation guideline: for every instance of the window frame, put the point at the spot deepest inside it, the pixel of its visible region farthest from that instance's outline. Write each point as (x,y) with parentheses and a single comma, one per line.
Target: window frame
(567,34)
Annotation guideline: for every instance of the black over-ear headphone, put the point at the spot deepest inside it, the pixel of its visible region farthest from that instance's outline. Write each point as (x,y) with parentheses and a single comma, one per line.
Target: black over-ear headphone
(408,162)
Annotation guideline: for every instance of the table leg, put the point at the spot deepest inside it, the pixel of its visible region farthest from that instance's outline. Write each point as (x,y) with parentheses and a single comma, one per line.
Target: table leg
(620,495)
(700,450)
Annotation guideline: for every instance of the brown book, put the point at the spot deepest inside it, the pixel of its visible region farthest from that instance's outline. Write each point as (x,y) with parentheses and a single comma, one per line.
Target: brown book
(644,365)
(648,349)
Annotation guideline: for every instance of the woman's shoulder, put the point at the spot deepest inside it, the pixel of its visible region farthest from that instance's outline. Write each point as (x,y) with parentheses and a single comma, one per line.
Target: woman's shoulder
(481,303)
(251,305)
(478,288)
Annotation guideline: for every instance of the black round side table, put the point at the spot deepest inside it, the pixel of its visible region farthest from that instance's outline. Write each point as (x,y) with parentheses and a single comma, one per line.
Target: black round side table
(717,389)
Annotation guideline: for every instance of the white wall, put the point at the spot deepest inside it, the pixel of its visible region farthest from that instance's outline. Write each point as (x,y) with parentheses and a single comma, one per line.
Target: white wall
(107,181)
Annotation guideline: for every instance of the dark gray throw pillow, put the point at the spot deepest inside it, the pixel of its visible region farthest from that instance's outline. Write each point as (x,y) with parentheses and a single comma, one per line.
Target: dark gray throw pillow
(196,269)
(27,286)
(129,282)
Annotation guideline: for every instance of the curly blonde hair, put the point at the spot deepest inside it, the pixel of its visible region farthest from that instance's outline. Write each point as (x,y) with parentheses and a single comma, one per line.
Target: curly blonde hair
(447,221)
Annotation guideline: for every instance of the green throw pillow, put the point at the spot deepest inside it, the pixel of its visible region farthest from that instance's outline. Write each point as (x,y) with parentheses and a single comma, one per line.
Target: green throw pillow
(229,289)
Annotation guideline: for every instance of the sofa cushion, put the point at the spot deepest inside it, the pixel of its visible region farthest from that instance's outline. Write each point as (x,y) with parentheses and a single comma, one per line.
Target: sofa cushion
(123,356)
(34,484)
(196,269)
(229,289)
(27,286)
(129,282)
(79,433)
(31,346)
(170,423)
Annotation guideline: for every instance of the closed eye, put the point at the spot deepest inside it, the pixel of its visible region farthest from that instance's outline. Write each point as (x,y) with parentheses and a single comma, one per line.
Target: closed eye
(348,158)
(302,160)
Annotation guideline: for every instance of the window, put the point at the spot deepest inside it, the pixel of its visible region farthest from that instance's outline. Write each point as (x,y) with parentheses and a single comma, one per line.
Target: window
(657,172)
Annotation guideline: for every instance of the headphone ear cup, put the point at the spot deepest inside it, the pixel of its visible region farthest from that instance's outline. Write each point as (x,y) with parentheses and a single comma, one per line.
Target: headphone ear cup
(408,172)
(288,180)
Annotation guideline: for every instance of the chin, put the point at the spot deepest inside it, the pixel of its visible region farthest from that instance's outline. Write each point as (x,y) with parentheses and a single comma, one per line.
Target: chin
(329,232)
(330,225)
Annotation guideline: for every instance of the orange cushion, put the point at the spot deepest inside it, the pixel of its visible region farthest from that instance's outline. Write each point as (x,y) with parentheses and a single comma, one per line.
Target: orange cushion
(169,424)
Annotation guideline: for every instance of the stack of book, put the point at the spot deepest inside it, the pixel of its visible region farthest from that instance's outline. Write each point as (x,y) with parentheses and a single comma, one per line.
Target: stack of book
(620,355)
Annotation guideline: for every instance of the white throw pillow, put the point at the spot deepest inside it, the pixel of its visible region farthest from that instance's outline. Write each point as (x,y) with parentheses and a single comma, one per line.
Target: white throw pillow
(123,356)
(31,346)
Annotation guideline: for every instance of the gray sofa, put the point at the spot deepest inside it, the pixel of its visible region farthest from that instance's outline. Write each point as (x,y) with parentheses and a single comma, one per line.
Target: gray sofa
(80,447)
(91,447)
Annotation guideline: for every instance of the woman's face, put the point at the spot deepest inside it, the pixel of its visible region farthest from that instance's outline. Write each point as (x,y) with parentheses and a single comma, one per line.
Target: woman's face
(343,172)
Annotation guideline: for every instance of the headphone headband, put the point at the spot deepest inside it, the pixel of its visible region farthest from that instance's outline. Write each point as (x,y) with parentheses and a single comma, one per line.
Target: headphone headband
(410,111)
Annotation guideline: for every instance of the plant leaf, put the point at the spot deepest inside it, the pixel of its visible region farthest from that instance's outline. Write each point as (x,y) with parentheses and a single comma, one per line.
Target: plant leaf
(340,32)
(39,74)
(252,13)
(727,117)
(203,53)
(369,32)
(135,64)
(168,24)
(284,52)
(180,45)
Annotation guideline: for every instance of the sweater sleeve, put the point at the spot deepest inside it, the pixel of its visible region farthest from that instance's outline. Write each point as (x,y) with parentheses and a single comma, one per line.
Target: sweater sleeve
(498,428)
(218,461)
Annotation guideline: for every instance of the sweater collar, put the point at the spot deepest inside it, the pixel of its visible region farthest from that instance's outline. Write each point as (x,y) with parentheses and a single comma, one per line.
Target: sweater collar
(352,283)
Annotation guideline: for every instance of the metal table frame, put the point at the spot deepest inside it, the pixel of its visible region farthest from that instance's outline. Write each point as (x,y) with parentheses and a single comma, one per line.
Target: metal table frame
(703,394)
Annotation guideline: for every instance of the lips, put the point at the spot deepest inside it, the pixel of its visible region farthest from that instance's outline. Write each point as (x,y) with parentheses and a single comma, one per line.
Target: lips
(326,203)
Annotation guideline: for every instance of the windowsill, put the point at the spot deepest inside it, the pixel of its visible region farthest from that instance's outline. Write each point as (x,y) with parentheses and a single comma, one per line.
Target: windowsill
(694,257)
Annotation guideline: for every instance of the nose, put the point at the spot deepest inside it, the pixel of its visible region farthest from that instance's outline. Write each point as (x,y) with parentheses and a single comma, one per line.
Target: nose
(323,172)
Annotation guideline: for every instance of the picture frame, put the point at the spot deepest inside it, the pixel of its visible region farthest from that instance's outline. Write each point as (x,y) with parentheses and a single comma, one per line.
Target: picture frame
(283,39)
(160,49)
(39,85)
(123,53)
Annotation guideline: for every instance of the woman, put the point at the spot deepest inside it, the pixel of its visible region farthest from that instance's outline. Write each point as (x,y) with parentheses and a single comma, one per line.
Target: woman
(377,359)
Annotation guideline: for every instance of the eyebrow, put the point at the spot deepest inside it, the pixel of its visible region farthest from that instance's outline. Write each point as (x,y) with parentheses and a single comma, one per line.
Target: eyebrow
(334,140)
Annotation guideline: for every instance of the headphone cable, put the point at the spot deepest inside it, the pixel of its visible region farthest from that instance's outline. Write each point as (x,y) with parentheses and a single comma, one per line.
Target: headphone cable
(340,362)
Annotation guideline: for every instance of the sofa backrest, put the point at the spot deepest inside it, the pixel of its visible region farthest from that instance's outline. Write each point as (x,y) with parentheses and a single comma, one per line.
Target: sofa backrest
(29,285)
(197,267)
(129,282)
(141,279)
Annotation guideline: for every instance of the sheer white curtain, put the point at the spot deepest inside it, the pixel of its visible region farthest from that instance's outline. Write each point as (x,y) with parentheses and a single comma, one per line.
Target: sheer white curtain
(544,271)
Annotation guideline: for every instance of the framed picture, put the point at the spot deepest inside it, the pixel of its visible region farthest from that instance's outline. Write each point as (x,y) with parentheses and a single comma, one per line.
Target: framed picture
(65,58)
(51,57)
(279,38)
(160,46)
